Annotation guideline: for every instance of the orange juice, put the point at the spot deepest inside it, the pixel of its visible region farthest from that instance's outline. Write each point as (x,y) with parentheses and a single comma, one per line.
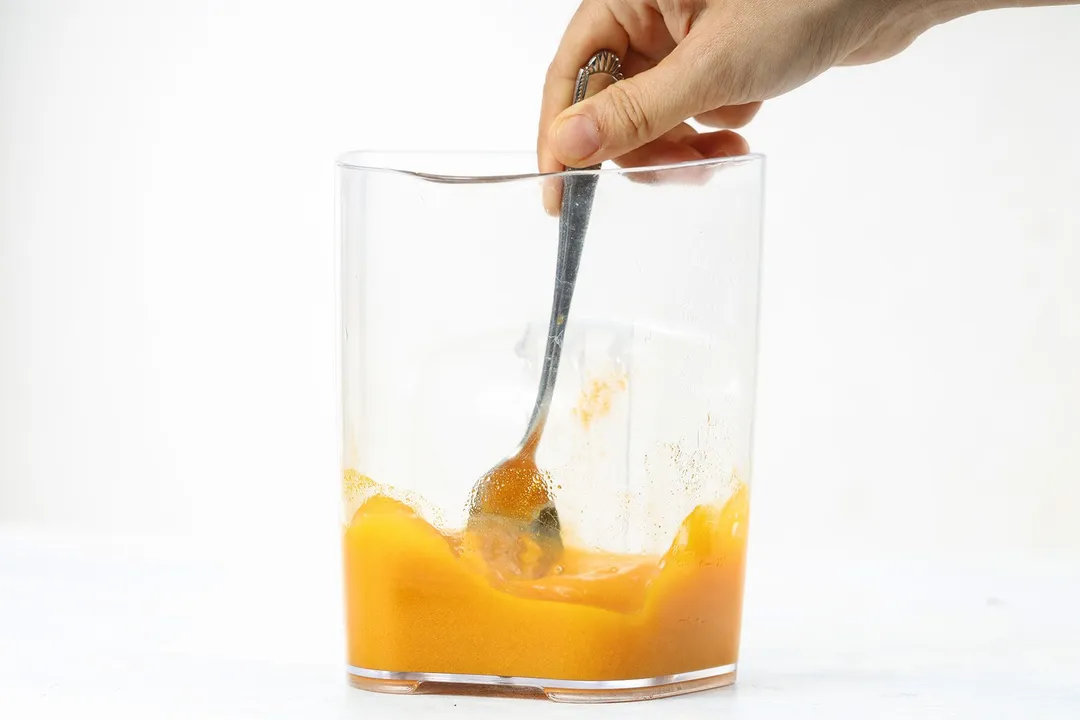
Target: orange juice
(418,601)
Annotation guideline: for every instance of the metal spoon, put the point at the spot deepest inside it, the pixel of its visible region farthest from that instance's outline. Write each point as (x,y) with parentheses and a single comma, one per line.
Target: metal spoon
(512,517)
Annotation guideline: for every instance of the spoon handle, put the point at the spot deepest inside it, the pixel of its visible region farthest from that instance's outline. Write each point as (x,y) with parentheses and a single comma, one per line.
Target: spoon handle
(577,200)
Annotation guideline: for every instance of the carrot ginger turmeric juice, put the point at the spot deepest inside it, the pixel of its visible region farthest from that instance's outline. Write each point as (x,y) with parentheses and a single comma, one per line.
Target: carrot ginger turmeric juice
(418,601)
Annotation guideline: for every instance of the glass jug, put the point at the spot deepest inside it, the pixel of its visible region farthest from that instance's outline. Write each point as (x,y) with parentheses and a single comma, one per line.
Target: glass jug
(447,270)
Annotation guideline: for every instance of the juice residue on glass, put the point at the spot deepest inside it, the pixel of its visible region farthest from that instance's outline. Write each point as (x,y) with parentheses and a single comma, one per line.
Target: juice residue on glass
(422,600)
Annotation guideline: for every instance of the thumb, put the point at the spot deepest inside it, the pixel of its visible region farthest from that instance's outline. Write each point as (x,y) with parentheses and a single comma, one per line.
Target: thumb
(630,113)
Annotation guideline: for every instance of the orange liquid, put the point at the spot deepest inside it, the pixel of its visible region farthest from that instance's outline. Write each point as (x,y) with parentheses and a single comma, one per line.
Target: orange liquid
(417,600)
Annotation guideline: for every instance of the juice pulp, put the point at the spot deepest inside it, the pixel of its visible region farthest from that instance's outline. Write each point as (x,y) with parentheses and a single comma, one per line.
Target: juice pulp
(417,600)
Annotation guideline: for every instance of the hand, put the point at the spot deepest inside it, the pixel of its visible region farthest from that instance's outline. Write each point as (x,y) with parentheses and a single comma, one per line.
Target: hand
(712,60)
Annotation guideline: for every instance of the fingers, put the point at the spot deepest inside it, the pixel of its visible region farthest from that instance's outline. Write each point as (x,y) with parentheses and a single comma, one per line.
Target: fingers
(730,117)
(670,148)
(593,28)
(681,145)
(636,111)
(723,143)
(552,190)
(638,121)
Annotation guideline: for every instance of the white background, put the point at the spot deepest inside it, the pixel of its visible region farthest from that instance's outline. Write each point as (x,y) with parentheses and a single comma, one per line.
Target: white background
(167,301)
(167,280)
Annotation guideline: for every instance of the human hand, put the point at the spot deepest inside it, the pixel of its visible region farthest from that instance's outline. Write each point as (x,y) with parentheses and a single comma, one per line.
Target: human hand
(711,60)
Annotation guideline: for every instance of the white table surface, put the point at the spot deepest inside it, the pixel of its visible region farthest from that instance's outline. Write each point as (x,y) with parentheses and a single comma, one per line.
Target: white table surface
(147,628)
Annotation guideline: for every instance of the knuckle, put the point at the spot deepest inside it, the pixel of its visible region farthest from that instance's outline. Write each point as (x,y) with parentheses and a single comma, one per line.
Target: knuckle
(737,121)
(628,108)
(713,118)
(554,72)
(740,115)
(681,14)
(636,18)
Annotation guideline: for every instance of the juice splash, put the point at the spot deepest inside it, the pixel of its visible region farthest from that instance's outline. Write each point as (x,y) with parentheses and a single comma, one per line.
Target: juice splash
(422,600)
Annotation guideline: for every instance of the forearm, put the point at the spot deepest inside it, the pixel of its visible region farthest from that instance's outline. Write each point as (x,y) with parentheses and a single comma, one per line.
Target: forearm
(901,21)
(945,10)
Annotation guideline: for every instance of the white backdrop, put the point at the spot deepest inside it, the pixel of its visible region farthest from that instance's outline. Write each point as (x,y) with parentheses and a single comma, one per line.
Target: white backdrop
(167,306)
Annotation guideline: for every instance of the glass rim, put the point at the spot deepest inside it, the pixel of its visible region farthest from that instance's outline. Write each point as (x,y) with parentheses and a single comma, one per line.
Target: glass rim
(353,160)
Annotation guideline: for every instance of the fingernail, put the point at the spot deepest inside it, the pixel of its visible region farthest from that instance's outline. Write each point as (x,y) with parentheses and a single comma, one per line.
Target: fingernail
(577,138)
(551,197)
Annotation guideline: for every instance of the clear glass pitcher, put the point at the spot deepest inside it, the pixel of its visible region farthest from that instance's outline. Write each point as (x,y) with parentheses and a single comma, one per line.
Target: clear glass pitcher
(447,272)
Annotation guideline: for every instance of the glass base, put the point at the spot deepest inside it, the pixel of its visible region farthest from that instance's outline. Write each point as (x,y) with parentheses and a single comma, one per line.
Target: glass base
(580,691)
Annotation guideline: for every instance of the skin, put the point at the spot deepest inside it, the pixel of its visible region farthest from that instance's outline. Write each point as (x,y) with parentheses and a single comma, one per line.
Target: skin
(715,61)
